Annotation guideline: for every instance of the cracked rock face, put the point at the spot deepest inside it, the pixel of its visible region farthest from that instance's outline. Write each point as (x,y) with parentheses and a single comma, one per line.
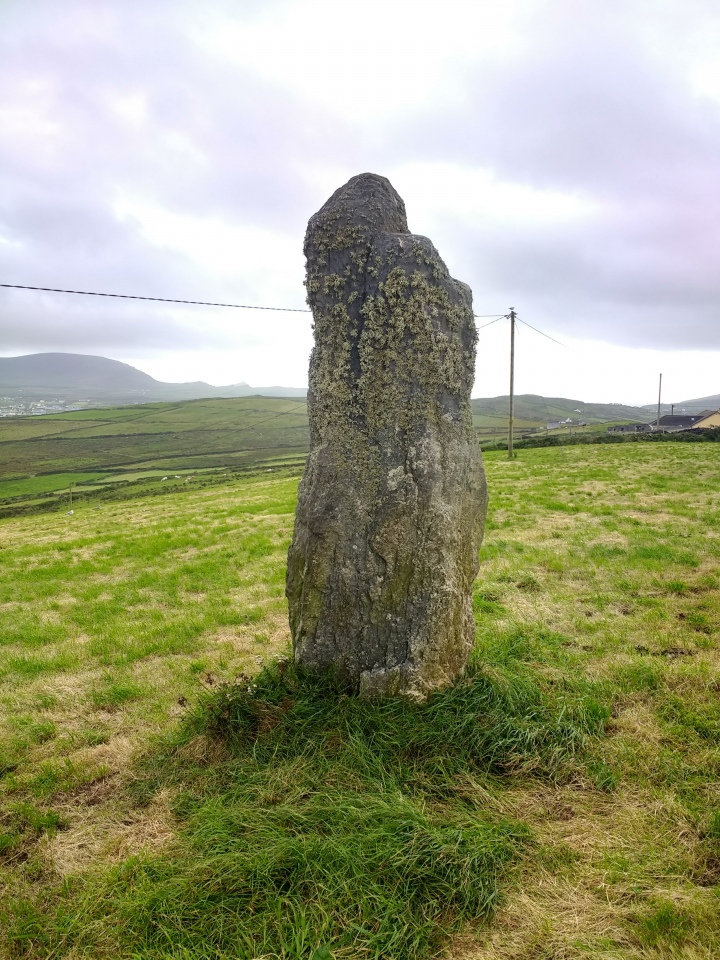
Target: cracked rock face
(392,503)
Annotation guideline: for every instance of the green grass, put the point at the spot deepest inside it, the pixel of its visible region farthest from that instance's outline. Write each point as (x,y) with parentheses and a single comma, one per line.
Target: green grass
(143,441)
(331,823)
(161,798)
(167,435)
(30,486)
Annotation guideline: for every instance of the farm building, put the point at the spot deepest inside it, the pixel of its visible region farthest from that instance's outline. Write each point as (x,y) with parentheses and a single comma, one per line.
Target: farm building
(709,420)
(672,423)
(568,422)
(630,428)
(698,421)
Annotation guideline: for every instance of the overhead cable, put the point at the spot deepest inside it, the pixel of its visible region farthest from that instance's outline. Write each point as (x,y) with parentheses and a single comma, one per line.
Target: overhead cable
(130,296)
(503,317)
(197,303)
(542,334)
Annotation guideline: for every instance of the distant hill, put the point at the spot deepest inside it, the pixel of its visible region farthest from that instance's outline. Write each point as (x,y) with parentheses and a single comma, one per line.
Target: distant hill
(78,377)
(532,408)
(74,376)
(689,406)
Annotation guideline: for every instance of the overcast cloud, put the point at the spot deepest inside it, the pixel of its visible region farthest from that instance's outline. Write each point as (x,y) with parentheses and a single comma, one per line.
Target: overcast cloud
(563,156)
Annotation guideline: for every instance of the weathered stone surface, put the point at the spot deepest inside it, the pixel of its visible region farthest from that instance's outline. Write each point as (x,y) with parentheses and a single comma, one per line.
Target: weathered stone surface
(392,503)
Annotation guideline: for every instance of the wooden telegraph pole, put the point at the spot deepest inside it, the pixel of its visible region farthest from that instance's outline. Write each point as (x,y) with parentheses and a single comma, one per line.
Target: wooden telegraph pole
(512,383)
(659,395)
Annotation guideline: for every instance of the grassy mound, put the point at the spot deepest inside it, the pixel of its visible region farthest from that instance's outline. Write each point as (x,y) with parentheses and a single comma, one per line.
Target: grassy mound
(325,826)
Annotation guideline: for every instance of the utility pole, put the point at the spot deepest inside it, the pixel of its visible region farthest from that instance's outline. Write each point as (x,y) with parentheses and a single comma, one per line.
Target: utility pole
(659,395)
(70,491)
(512,383)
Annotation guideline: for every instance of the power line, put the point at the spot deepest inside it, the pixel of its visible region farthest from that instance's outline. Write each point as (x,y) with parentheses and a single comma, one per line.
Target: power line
(511,402)
(196,303)
(513,317)
(543,334)
(503,317)
(130,296)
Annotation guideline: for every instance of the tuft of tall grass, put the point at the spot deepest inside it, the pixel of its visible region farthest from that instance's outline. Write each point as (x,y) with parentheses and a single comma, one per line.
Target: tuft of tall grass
(333,827)
(495,720)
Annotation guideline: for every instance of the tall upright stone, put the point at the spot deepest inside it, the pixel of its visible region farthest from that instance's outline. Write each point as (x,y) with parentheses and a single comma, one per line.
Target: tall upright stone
(392,503)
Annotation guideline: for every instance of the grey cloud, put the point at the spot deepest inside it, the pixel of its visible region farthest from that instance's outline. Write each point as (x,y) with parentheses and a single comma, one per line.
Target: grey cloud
(56,199)
(34,322)
(583,294)
(244,135)
(591,111)
(589,108)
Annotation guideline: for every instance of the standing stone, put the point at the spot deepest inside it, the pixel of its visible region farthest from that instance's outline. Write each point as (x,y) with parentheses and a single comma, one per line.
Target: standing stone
(392,503)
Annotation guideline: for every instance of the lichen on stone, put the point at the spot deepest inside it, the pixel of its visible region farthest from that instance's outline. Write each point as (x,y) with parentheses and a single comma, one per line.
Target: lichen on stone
(392,503)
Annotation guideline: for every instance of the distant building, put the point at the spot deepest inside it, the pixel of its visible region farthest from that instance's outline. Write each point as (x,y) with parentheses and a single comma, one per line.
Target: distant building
(711,420)
(630,428)
(671,423)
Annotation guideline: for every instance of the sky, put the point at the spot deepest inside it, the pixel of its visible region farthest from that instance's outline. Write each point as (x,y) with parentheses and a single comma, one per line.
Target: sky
(562,155)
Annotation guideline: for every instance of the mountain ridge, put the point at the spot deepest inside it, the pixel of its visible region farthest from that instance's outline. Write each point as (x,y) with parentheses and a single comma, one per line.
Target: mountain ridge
(41,376)
(91,378)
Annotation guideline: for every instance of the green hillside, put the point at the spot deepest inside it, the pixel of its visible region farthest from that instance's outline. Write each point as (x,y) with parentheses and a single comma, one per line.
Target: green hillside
(535,409)
(156,444)
(166,436)
(533,413)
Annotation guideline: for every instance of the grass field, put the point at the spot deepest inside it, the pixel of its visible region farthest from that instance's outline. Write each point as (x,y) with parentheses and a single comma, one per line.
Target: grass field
(562,803)
(163,436)
(41,456)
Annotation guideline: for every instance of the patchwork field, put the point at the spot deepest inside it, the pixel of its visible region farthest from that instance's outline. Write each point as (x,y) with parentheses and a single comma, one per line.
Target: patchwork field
(191,434)
(162,795)
(153,443)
